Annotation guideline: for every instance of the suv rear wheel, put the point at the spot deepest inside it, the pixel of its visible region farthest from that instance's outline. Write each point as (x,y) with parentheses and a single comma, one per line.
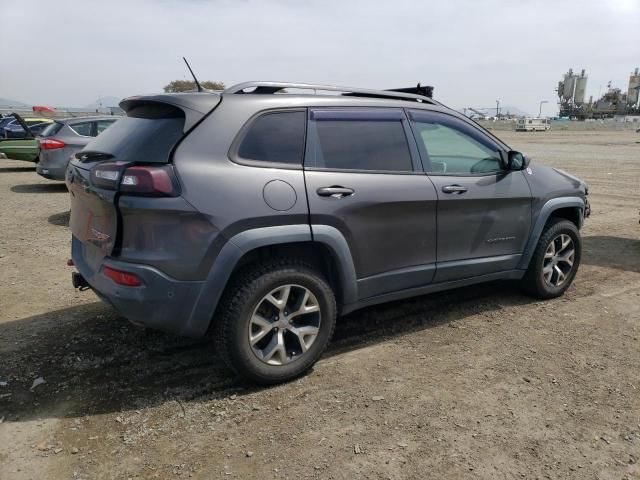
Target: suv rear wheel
(275,321)
(555,260)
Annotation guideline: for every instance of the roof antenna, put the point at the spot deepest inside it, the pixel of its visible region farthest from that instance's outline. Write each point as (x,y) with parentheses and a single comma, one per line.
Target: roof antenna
(193,75)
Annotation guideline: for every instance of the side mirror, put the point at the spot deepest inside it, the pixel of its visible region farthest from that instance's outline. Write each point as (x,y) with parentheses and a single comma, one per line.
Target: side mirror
(517,161)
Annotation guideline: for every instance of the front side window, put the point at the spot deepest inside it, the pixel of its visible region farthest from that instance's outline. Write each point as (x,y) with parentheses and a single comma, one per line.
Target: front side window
(451,147)
(360,141)
(276,137)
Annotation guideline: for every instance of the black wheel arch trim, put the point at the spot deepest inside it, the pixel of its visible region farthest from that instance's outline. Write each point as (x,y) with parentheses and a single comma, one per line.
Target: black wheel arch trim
(240,244)
(545,213)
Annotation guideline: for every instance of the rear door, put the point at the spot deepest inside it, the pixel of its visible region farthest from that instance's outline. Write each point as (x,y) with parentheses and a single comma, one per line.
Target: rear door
(484,210)
(364,179)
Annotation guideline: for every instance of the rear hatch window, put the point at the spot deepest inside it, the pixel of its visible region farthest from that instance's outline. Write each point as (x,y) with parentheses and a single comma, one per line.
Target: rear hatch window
(147,134)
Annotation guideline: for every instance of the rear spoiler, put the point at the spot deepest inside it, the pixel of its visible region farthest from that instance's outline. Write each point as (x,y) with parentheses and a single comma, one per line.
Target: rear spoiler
(194,105)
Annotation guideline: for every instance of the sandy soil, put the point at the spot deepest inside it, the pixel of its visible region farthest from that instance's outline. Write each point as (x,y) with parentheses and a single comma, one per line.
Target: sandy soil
(480,382)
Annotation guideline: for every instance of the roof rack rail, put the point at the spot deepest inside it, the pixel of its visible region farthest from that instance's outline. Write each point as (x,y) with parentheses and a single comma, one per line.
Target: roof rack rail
(416,94)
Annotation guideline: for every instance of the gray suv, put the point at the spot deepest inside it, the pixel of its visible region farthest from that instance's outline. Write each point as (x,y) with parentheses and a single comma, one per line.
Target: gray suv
(258,214)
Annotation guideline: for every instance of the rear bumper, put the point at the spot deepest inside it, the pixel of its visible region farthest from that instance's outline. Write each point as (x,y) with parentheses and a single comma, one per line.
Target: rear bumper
(52,173)
(162,302)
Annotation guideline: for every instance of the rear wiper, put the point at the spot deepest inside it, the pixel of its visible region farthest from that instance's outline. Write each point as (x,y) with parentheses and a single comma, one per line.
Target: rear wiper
(92,155)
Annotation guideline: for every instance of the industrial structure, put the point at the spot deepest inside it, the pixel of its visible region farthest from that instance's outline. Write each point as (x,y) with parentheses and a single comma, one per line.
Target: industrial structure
(572,90)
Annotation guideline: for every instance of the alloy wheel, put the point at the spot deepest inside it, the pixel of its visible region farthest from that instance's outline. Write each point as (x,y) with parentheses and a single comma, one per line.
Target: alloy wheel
(558,260)
(284,324)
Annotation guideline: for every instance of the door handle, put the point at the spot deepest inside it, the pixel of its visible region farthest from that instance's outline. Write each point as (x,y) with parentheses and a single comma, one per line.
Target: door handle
(335,192)
(458,189)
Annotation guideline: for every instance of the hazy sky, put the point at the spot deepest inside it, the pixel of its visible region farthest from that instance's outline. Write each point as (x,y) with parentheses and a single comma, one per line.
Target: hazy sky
(70,52)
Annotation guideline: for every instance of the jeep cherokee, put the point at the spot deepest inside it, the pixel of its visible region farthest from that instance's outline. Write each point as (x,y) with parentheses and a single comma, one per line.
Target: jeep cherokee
(258,214)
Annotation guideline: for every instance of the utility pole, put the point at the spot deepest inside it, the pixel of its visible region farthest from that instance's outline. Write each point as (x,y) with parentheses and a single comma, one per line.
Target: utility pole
(540,111)
(497,109)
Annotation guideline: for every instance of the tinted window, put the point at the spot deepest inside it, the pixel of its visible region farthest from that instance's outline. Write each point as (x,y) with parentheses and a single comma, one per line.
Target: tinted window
(83,128)
(453,148)
(148,132)
(275,137)
(361,145)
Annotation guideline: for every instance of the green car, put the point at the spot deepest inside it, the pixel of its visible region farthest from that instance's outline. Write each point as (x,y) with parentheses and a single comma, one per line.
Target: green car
(18,137)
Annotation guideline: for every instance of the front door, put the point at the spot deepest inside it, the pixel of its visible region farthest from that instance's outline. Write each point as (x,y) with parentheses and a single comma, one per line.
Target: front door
(484,210)
(364,179)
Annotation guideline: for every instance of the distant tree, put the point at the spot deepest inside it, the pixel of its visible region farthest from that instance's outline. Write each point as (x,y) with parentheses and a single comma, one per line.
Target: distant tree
(187,85)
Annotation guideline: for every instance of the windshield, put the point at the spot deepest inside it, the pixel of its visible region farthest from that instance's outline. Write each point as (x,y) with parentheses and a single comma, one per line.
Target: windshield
(5,122)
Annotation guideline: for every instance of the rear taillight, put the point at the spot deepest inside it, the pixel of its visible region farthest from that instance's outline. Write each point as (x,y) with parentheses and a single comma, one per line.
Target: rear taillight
(146,180)
(126,279)
(51,144)
(107,174)
(158,181)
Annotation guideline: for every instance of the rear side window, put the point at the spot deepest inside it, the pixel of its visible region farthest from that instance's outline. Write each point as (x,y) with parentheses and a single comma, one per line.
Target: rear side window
(102,125)
(83,128)
(360,143)
(38,128)
(275,137)
(52,129)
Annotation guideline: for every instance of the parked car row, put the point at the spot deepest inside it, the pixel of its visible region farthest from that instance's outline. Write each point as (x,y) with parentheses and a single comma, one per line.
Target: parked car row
(49,143)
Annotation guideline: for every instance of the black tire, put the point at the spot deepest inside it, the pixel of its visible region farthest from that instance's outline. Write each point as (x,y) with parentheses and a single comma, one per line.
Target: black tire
(534,282)
(244,295)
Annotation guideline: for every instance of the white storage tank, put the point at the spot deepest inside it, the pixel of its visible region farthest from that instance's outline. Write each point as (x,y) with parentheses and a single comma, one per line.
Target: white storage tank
(569,85)
(581,89)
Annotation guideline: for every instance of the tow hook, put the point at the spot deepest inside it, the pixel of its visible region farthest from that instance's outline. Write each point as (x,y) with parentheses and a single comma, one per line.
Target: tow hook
(79,282)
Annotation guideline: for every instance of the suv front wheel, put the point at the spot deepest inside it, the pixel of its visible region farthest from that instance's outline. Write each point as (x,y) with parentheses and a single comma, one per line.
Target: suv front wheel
(555,260)
(275,321)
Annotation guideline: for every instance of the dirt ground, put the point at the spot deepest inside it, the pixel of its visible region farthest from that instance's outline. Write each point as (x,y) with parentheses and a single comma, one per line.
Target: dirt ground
(480,382)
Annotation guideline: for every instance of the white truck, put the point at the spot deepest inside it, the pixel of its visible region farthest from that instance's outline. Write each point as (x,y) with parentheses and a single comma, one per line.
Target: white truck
(533,124)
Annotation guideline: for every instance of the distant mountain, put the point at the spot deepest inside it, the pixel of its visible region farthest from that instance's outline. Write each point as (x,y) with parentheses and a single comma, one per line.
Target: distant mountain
(8,103)
(103,102)
(491,112)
